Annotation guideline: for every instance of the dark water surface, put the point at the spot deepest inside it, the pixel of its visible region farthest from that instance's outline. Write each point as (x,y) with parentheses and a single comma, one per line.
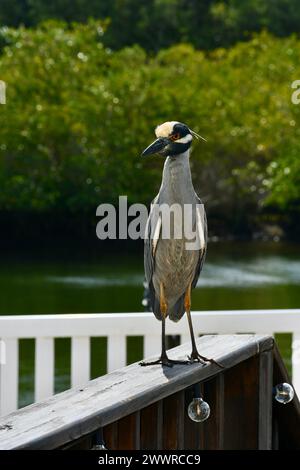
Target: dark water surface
(235,276)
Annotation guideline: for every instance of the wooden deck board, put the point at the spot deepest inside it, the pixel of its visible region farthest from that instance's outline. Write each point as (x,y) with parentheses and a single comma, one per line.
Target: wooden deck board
(79,411)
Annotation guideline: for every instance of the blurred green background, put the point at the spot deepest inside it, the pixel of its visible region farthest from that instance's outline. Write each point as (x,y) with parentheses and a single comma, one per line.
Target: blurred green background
(87,83)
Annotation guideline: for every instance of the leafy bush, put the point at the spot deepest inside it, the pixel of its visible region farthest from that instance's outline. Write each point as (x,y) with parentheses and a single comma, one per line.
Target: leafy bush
(78,116)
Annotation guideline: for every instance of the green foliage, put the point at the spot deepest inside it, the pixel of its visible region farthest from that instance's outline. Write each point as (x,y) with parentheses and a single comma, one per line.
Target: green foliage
(78,116)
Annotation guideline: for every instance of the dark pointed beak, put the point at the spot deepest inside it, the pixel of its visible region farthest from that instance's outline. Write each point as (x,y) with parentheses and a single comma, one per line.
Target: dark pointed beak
(157,146)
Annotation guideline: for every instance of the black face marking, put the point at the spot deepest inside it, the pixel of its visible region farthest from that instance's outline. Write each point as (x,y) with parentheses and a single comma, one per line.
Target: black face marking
(180,129)
(176,148)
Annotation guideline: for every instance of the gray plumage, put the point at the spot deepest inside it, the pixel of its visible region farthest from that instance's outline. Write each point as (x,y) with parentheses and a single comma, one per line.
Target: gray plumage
(174,257)
(168,261)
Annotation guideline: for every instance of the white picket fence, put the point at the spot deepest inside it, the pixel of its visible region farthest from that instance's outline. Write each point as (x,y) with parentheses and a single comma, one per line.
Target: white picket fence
(116,327)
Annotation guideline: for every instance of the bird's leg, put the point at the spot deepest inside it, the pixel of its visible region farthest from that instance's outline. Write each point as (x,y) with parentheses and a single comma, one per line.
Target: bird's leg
(164,360)
(195,356)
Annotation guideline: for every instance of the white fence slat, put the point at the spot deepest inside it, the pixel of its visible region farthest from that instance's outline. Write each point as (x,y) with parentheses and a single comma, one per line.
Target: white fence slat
(80,360)
(185,338)
(116,352)
(44,368)
(152,345)
(296,362)
(9,376)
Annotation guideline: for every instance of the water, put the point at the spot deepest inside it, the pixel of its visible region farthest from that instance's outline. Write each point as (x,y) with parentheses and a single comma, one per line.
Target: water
(235,276)
(247,275)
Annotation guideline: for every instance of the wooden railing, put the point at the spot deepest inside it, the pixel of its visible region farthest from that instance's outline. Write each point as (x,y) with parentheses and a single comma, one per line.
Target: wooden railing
(146,408)
(117,327)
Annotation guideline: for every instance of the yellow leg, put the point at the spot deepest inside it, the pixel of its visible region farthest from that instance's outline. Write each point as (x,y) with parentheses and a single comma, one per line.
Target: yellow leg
(187,300)
(187,306)
(164,360)
(162,301)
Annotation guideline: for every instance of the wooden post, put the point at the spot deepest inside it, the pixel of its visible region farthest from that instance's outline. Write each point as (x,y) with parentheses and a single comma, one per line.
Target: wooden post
(173,422)
(129,432)
(286,432)
(265,400)
(191,429)
(152,426)
(213,428)
(110,434)
(241,406)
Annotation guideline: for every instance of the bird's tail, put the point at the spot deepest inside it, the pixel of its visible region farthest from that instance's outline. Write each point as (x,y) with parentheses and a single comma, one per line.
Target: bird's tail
(154,302)
(175,313)
(178,310)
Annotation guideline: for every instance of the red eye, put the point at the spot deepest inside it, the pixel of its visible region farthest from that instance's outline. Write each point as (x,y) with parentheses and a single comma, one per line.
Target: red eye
(175,136)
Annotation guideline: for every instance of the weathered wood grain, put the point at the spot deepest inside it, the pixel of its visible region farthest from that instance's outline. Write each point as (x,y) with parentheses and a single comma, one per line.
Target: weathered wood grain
(213,428)
(129,432)
(241,406)
(110,435)
(173,422)
(78,412)
(152,426)
(265,400)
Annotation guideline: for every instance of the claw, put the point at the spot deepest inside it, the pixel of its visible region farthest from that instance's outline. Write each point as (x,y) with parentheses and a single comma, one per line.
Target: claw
(164,361)
(196,357)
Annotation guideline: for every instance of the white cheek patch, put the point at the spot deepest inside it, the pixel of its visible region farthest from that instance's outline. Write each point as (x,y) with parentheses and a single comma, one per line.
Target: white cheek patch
(165,129)
(184,140)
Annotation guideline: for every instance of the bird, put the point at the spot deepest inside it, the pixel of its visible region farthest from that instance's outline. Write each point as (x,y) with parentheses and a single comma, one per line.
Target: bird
(172,268)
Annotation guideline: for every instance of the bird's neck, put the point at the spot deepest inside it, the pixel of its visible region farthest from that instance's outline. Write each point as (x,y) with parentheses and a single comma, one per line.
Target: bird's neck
(177,175)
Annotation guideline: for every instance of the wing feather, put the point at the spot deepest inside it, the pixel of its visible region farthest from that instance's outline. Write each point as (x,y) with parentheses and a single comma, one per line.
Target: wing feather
(152,237)
(152,234)
(201,224)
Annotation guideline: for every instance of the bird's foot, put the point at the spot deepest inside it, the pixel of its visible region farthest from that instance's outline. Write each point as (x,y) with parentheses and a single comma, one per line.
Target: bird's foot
(164,361)
(196,357)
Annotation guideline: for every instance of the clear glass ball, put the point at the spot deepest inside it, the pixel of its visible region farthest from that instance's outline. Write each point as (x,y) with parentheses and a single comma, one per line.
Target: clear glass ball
(198,410)
(284,393)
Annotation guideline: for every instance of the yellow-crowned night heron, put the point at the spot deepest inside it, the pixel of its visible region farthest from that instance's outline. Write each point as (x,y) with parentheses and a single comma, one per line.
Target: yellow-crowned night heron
(171,267)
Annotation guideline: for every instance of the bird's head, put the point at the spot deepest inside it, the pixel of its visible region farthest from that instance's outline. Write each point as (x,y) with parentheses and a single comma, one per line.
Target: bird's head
(173,138)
